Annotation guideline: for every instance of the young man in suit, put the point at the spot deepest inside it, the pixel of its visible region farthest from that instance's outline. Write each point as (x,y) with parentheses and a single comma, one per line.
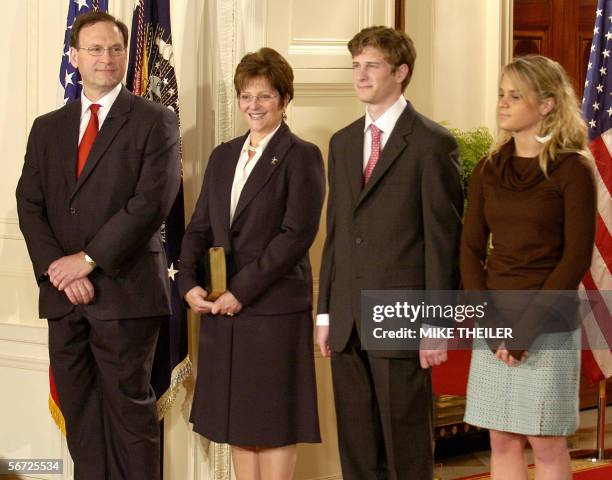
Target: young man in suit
(100,175)
(393,222)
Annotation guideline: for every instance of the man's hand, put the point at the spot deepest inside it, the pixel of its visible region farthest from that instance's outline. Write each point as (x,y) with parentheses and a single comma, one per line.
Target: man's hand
(226,304)
(432,352)
(322,335)
(196,298)
(80,291)
(65,270)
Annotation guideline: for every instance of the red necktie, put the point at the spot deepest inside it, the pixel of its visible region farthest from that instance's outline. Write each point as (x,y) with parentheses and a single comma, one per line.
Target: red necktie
(88,137)
(374,153)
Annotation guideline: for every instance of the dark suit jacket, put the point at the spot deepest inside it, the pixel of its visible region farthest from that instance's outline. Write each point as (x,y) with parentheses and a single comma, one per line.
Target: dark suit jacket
(399,232)
(276,221)
(113,212)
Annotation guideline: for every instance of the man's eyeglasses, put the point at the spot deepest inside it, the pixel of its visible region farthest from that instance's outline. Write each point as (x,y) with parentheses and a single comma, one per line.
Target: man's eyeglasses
(98,51)
(245,98)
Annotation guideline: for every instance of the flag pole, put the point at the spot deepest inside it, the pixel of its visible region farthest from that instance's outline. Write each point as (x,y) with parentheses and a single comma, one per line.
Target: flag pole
(601,421)
(599,454)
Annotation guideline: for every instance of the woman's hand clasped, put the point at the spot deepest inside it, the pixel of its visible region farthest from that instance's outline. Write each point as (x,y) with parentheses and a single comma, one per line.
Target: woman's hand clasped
(226,304)
(504,355)
(196,298)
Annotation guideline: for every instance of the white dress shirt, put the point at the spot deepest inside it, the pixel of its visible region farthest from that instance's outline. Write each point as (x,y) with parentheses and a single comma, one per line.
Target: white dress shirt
(105,102)
(244,168)
(386,123)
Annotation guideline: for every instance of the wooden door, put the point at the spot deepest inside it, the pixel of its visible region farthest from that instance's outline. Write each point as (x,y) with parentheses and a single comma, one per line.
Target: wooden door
(559,29)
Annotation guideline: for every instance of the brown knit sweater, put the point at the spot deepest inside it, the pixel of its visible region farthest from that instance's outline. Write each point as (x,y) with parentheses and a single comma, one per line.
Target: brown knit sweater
(543,229)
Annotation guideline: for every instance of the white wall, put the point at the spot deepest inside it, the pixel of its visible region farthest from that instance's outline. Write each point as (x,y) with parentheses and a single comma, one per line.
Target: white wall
(461,46)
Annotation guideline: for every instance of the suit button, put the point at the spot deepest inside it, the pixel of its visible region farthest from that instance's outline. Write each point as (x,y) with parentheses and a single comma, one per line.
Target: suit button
(235,233)
(358,240)
(73,211)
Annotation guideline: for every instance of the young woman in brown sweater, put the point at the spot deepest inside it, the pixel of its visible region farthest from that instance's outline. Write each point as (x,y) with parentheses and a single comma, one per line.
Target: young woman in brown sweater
(534,194)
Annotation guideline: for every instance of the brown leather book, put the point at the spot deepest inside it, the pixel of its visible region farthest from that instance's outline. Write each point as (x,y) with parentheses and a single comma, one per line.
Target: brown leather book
(212,273)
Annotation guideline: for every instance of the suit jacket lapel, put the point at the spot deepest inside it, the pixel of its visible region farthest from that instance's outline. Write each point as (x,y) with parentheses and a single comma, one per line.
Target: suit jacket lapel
(68,141)
(393,148)
(227,180)
(353,158)
(115,119)
(270,160)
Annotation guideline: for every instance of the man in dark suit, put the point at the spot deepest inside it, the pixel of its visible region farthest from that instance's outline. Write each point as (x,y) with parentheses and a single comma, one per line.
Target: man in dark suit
(393,222)
(99,177)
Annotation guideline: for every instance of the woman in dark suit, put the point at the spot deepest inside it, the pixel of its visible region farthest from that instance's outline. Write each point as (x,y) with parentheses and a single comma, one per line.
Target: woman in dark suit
(261,201)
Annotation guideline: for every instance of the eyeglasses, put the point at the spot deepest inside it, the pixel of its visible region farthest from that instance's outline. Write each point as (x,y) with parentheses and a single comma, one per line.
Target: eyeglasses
(245,98)
(98,51)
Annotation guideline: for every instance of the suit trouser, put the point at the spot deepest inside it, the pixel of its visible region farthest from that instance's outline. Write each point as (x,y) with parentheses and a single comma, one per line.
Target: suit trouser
(102,373)
(384,410)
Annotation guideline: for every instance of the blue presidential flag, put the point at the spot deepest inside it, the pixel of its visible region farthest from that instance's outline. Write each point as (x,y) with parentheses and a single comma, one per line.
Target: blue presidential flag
(151,74)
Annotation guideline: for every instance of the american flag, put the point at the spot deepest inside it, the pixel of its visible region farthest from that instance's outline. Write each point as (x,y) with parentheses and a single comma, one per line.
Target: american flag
(70,88)
(70,80)
(597,111)
(151,74)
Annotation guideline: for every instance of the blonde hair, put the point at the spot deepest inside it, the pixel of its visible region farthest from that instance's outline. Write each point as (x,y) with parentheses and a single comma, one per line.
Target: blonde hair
(542,78)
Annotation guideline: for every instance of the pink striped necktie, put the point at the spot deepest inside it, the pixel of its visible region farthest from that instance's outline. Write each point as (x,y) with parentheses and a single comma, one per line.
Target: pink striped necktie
(374,153)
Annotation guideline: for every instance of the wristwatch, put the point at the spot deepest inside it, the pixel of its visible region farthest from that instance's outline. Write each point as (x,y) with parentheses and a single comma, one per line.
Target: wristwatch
(90,261)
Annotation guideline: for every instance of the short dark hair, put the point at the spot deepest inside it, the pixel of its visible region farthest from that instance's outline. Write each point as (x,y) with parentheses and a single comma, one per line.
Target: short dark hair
(396,46)
(269,64)
(90,18)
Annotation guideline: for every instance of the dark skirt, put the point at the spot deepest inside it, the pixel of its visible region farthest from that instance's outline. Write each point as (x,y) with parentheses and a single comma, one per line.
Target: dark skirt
(256,380)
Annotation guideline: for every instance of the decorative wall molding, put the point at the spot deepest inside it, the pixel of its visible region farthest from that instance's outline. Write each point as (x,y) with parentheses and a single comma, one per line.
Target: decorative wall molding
(27,335)
(24,347)
(390,13)
(23,362)
(9,228)
(366,13)
(324,90)
(16,272)
(306,46)
(369,17)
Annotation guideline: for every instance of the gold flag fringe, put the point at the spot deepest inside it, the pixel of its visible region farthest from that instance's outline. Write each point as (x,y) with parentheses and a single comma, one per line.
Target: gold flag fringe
(56,415)
(180,373)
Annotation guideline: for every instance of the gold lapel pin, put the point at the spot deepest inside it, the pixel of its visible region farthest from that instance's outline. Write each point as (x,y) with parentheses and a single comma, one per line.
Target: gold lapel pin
(274,160)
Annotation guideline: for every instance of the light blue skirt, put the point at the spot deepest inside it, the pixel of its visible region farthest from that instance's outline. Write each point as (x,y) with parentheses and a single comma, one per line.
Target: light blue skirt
(539,396)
